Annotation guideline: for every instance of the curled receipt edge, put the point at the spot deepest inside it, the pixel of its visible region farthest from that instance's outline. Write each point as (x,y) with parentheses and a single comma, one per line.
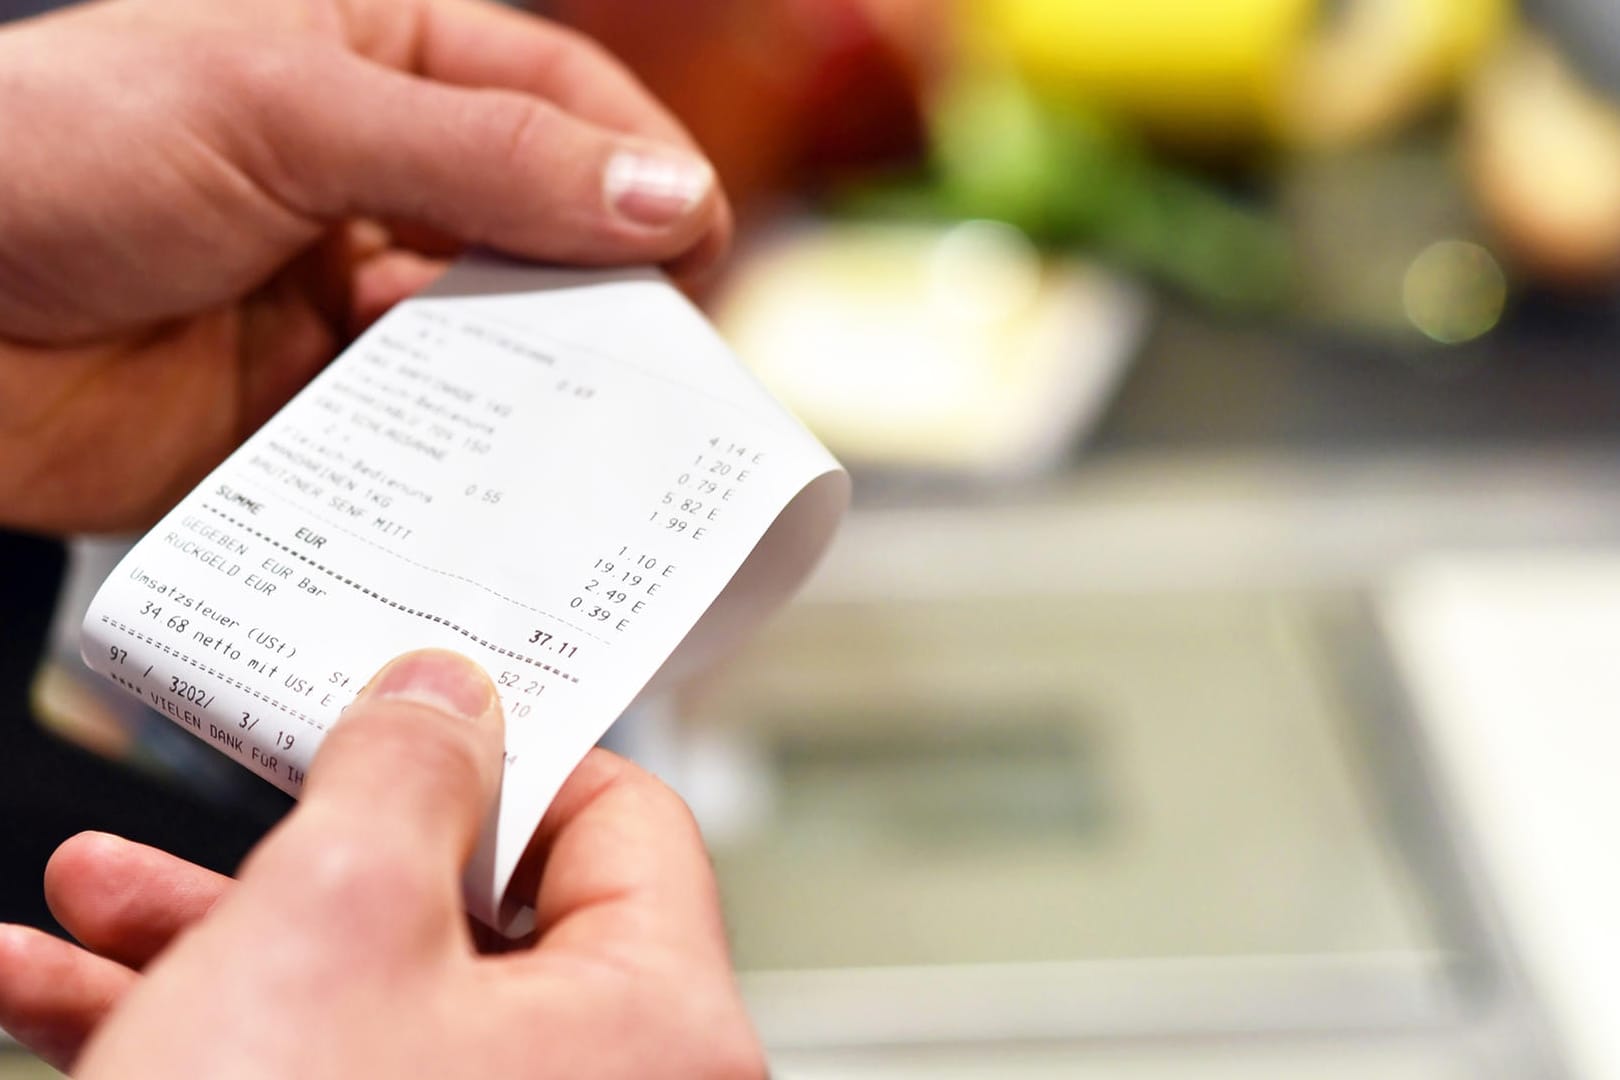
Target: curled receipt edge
(564,475)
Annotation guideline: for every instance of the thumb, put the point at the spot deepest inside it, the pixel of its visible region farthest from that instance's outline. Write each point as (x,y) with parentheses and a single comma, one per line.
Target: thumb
(497,167)
(392,809)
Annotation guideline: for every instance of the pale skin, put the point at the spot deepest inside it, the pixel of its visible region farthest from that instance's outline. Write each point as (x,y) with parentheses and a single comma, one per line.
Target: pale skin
(342,950)
(201,202)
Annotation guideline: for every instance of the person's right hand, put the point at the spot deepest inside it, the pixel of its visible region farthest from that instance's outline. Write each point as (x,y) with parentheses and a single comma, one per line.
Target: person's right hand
(201,201)
(342,951)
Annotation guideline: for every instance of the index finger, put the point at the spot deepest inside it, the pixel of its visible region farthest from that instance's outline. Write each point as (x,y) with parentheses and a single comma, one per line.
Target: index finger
(481,44)
(475,43)
(622,871)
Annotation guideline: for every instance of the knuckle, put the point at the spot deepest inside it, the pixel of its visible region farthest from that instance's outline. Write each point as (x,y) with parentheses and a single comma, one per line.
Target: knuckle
(266,101)
(523,129)
(658,801)
(581,60)
(350,878)
(19,947)
(364,889)
(256,76)
(520,144)
(355,870)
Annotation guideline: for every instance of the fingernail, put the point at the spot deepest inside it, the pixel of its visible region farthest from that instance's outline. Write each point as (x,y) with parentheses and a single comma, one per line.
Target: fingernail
(655,189)
(441,680)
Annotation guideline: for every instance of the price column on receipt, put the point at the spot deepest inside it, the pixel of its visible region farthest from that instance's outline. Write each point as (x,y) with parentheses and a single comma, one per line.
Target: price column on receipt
(565,476)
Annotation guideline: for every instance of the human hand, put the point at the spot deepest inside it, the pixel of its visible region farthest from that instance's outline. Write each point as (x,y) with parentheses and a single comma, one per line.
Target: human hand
(342,950)
(202,201)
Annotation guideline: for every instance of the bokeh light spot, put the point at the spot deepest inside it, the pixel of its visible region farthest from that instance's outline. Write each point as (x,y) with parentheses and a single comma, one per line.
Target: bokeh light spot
(1454,291)
(983,272)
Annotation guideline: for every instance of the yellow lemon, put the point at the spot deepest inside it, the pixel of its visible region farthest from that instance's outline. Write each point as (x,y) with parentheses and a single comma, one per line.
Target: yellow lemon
(1212,71)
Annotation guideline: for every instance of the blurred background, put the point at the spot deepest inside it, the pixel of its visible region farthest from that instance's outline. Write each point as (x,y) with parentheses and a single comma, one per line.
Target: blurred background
(1217,674)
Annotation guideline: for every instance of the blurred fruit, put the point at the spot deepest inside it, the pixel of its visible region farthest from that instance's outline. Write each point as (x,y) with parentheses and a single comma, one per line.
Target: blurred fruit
(1068,176)
(1544,152)
(1188,68)
(778,92)
(1379,63)
(1213,72)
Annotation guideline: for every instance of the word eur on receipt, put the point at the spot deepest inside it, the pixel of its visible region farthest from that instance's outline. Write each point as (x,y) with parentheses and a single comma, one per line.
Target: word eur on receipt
(566,476)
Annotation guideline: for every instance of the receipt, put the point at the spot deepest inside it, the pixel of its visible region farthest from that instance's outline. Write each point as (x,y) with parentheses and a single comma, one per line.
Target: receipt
(564,475)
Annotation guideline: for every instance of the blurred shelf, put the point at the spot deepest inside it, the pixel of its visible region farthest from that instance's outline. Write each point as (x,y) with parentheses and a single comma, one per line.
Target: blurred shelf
(1547,379)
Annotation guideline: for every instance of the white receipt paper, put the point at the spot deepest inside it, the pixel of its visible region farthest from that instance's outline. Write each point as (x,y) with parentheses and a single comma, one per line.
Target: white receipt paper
(564,475)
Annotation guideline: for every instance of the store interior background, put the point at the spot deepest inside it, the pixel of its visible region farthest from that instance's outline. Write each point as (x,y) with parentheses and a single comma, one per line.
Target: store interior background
(1213,677)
